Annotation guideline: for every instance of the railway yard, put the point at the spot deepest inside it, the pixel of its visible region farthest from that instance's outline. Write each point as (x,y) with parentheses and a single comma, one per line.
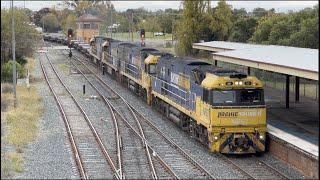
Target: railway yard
(94,127)
(158,90)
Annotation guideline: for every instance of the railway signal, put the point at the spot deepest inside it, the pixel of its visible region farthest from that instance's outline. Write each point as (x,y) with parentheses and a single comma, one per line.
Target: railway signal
(142,35)
(70,35)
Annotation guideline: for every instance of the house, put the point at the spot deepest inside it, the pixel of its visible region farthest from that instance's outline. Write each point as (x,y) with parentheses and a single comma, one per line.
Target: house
(88,26)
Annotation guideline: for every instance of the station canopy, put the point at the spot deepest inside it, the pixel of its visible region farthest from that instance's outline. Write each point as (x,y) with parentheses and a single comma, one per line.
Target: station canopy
(301,62)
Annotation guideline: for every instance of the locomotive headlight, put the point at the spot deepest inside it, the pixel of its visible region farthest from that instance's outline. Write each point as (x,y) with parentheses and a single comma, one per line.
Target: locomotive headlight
(229,83)
(215,137)
(240,83)
(236,83)
(261,137)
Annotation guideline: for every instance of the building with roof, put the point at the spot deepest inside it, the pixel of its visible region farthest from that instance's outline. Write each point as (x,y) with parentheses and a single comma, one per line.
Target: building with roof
(88,26)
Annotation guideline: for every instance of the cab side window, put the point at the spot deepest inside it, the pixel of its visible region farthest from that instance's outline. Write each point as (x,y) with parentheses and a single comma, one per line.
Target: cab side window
(205,96)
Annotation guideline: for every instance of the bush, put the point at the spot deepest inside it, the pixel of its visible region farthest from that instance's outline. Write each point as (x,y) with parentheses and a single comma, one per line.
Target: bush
(22,61)
(6,71)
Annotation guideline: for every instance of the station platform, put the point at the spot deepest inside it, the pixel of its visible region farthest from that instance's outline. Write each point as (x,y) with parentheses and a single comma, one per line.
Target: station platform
(298,125)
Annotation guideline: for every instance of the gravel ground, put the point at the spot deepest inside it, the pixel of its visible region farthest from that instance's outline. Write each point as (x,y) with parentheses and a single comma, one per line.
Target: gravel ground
(197,151)
(49,156)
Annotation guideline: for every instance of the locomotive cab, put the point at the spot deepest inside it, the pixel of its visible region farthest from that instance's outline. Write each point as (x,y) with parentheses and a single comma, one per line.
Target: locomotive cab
(237,112)
(150,64)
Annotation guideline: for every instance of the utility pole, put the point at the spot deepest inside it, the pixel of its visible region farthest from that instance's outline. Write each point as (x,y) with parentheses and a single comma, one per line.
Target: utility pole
(14,59)
(132,26)
(172,32)
(111,24)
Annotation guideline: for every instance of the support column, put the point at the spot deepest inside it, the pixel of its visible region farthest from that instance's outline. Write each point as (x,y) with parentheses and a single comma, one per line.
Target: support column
(297,88)
(249,71)
(287,91)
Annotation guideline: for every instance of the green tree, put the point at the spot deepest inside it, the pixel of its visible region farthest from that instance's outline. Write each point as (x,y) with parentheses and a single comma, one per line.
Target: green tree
(25,35)
(222,21)
(70,23)
(50,22)
(190,27)
(124,23)
(259,12)
(6,71)
(40,14)
(240,12)
(308,36)
(279,31)
(243,29)
(264,27)
(151,24)
(294,29)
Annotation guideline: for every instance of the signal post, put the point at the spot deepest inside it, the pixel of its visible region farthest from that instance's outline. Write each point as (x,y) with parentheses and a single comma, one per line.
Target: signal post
(142,35)
(70,35)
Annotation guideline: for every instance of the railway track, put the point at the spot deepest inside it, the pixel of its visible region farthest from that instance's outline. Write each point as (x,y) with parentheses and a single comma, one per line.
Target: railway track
(110,135)
(134,162)
(177,159)
(253,168)
(91,157)
(250,167)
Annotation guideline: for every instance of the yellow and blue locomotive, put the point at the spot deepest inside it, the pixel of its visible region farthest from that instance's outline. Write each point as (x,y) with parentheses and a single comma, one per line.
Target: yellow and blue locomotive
(223,109)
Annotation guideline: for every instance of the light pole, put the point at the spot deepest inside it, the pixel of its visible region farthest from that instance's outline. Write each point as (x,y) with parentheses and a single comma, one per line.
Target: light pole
(14,71)
(132,26)
(111,23)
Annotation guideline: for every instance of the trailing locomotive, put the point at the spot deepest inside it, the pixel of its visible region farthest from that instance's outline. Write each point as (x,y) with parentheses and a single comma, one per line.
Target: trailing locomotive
(223,109)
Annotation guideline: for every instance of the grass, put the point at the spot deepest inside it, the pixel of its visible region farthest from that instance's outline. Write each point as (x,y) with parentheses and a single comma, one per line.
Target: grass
(31,65)
(16,161)
(6,101)
(21,123)
(11,161)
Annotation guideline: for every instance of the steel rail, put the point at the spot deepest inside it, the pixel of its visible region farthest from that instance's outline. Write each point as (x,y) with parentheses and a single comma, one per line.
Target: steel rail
(147,147)
(272,168)
(185,154)
(241,170)
(75,150)
(97,137)
(118,139)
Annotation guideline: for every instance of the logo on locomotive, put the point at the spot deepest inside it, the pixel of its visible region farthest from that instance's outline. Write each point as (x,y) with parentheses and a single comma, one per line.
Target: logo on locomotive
(236,114)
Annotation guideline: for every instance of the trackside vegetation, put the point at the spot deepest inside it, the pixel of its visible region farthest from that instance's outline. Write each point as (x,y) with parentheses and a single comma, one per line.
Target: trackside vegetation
(20,124)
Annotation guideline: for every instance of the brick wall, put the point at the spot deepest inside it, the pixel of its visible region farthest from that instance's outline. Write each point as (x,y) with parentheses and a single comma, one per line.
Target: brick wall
(87,34)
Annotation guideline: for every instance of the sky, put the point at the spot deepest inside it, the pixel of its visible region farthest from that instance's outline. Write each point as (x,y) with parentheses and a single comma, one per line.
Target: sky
(279,6)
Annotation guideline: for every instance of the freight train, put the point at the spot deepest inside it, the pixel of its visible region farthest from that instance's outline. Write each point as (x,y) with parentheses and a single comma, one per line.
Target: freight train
(223,109)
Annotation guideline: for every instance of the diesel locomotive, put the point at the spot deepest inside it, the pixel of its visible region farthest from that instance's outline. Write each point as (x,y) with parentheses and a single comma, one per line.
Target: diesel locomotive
(223,109)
